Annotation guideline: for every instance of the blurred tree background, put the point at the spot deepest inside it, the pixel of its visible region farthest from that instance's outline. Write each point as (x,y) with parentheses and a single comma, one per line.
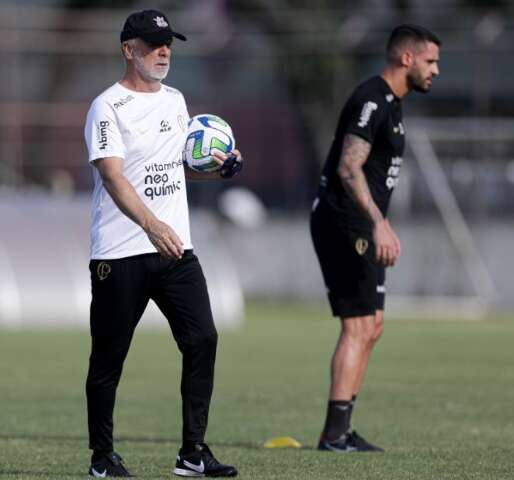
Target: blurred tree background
(278,71)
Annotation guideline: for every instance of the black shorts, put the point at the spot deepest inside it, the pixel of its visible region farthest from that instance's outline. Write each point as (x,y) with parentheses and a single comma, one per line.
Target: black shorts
(355,282)
(121,290)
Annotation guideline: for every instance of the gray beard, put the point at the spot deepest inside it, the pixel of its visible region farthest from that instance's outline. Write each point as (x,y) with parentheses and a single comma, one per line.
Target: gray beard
(148,73)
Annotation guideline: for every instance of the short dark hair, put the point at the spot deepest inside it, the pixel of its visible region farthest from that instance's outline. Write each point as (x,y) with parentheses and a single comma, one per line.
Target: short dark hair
(409,33)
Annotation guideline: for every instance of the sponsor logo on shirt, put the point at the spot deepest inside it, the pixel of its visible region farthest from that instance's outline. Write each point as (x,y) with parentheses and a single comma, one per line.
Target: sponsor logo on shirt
(102,137)
(367,111)
(159,186)
(165,126)
(162,167)
(399,129)
(393,172)
(157,180)
(123,101)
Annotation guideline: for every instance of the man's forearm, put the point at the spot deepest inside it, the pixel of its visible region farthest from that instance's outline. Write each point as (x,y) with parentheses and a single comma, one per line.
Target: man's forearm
(354,155)
(127,200)
(356,185)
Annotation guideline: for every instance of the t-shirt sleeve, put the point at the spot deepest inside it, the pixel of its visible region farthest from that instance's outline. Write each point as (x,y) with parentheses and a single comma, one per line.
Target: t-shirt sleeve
(367,116)
(102,133)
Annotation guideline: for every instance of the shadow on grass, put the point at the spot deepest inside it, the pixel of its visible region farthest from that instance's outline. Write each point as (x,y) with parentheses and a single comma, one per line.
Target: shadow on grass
(129,439)
(35,473)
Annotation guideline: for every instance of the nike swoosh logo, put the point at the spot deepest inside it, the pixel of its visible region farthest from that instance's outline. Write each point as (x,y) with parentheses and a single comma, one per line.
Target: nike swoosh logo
(335,449)
(196,468)
(98,474)
(343,407)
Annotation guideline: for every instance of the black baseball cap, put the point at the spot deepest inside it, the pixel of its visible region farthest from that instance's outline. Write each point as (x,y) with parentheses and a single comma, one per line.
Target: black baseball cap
(150,25)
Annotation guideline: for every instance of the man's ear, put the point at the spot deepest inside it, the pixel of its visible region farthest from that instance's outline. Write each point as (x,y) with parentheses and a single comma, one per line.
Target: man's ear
(407,58)
(128,50)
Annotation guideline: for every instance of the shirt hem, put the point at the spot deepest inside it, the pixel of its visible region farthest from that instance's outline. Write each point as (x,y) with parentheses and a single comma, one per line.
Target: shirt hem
(117,256)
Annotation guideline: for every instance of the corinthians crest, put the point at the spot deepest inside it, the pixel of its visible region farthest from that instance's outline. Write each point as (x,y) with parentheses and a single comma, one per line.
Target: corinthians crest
(361,245)
(160,22)
(103,270)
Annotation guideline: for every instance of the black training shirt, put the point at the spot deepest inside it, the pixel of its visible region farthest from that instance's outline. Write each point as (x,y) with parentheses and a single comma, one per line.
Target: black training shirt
(374,114)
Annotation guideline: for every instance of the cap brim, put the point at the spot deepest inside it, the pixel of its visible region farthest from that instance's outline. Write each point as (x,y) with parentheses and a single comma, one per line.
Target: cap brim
(165,36)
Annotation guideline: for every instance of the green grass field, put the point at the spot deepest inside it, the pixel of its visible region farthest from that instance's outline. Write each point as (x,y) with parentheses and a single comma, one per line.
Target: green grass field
(439,398)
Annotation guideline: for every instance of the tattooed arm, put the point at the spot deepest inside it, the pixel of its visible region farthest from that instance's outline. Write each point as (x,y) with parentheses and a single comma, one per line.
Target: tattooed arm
(355,153)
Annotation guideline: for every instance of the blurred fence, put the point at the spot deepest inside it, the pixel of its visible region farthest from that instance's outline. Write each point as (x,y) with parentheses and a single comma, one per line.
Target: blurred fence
(278,75)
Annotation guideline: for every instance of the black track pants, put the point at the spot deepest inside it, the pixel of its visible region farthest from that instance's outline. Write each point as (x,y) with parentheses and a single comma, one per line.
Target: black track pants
(121,290)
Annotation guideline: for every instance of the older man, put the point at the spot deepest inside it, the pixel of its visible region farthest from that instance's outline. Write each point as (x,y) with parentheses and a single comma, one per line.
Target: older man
(141,246)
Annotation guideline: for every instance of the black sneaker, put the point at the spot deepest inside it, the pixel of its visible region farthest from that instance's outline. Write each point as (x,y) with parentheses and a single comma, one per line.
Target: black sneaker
(201,463)
(109,465)
(348,442)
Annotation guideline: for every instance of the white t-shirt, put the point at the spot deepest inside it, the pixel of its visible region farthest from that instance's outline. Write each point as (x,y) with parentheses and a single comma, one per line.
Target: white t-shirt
(148,131)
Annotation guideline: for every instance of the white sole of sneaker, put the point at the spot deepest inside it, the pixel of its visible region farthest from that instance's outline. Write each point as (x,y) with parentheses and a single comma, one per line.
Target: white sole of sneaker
(94,473)
(187,473)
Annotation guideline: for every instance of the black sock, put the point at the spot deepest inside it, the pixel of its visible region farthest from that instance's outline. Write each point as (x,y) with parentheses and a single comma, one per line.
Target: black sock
(337,422)
(352,403)
(188,447)
(98,455)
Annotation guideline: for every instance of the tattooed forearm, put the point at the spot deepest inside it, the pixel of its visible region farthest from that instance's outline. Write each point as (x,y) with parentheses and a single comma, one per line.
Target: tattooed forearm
(355,153)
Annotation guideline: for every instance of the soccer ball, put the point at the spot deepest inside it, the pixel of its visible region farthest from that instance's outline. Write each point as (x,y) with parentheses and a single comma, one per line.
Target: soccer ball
(207,134)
